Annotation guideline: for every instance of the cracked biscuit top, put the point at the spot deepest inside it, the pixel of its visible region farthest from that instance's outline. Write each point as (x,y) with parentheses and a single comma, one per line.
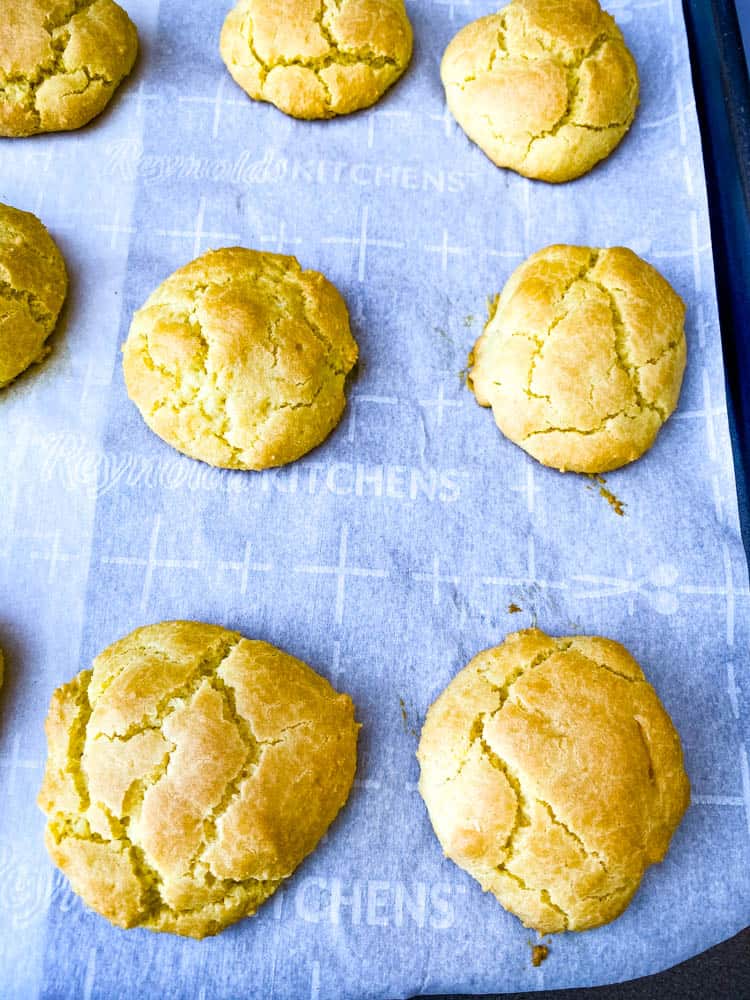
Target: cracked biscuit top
(317,58)
(189,773)
(60,62)
(33,286)
(240,358)
(554,776)
(546,89)
(582,357)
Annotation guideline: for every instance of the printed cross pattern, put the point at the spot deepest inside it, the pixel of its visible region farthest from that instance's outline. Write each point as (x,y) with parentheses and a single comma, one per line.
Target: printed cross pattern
(342,571)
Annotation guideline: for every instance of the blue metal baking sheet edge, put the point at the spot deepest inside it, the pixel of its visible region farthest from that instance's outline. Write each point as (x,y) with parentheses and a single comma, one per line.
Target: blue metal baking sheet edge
(722,92)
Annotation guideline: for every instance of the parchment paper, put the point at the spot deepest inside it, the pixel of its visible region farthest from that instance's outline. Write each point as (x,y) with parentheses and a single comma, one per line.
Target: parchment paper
(390,555)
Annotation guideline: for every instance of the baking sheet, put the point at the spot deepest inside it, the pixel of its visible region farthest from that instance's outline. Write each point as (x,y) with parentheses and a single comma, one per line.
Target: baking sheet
(390,555)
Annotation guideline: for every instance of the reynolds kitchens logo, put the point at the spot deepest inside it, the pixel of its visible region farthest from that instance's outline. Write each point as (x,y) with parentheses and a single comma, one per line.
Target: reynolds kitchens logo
(376,903)
(126,160)
(70,460)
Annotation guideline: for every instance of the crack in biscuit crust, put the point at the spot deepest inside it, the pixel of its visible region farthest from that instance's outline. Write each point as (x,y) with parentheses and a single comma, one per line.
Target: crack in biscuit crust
(317,58)
(33,286)
(61,63)
(189,773)
(240,359)
(582,358)
(547,90)
(553,775)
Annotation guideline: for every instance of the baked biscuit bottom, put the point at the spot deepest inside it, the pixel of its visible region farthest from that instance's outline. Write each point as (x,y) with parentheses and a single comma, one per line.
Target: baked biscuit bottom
(582,357)
(317,59)
(60,64)
(189,773)
(547,90)
(553,776)
(33,286)
(240,358)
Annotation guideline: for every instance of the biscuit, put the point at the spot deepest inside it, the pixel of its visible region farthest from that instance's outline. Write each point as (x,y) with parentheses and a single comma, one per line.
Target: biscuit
(317,58)
(61,62)
(554,776)
(239,359)
(33,286)
(582,357)
(546,89)
(189,773)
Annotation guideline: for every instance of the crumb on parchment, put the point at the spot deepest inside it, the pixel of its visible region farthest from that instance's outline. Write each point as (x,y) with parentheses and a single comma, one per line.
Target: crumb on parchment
(614,502)
(539,953)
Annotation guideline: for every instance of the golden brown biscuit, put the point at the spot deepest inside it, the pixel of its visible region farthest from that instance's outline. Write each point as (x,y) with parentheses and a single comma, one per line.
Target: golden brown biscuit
(553,775)
(582,357)
(239,359)
(60,62)
(317,58)
(546,89)
(189,773)
(33,286)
